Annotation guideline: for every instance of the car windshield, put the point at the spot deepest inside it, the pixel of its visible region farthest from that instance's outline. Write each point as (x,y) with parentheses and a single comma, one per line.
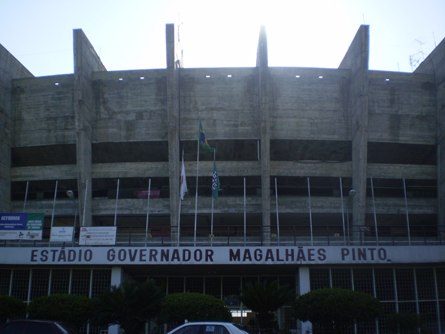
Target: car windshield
(67,327)
(13,328)
(202,329)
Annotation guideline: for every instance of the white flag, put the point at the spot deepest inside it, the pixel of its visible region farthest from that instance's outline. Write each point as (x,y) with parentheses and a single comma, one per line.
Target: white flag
(183,181)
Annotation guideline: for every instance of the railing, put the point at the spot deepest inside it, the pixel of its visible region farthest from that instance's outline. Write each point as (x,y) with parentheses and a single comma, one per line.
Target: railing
(258,235)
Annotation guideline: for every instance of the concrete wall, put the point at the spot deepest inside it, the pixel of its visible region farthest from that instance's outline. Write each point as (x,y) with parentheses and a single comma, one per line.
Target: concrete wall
(316,99)
(131,109)
(9,68)
(401,108)
(434,65)
(44,111)
(356,60)
(227,106)
(86,61)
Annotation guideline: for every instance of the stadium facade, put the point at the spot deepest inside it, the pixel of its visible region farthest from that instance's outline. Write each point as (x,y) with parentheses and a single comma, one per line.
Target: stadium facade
(328,177)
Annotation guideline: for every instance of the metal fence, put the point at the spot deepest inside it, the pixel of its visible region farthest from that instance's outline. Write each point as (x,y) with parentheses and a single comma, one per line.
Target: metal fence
(258,235)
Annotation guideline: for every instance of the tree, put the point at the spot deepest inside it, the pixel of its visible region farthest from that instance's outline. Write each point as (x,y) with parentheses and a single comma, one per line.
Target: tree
(335,309)
(73,309)
(11,307)
(403,323)
(130,304)
(264,299)
(178,307)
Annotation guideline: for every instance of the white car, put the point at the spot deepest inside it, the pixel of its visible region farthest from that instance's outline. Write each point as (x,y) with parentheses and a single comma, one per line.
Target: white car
(207,327)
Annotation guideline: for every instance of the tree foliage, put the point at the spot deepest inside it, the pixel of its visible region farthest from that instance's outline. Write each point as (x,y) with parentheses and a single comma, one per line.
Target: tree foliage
(178,307)
(336,309)
(73,309)
(403,323)
(264,299)
(130,304)
(11,307)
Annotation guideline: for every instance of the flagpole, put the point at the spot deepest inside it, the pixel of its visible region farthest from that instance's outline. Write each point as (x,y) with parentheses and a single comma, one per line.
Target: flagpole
(211,219)
(54,203)
(180,200)
(310,210)
(342,212)
(375,214)
(179,222)
(276,208)
(117,199)
(26,195)
(245,220)
(85,203)
(196,194)
(148,210)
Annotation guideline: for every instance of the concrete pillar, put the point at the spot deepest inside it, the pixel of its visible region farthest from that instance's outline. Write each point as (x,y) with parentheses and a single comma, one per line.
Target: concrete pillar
(174,63)
(10,68)
(304,287)
(435,64)
(116,279)
(117,275)
(357,59)
(86,61)
(264,110)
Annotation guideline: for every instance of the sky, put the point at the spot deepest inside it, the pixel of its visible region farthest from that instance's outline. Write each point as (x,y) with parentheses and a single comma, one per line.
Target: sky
(130,34)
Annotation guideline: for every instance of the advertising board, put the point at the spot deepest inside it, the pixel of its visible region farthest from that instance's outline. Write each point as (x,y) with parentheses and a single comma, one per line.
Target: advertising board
(97,235)
(21,226)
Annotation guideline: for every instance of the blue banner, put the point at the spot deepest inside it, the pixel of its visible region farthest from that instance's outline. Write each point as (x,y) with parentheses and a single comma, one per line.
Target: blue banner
(16,226)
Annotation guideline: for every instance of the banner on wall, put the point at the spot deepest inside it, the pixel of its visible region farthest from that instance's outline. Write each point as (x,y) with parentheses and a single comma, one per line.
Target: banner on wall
(61,234)
(21,226)
(97,235)
(290,255)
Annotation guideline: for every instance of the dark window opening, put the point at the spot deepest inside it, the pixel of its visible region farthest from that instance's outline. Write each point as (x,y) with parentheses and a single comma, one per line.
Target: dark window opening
(310,150)
(149,151)
(226,150)
(396,153)
(63,154)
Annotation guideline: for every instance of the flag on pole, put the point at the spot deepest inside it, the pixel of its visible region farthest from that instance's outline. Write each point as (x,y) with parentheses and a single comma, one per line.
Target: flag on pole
(215,182)
(202,139)
(183,181)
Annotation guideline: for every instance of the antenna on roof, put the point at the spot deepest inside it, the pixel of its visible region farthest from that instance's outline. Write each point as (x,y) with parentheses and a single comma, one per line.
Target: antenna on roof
(421,50)
(414,59)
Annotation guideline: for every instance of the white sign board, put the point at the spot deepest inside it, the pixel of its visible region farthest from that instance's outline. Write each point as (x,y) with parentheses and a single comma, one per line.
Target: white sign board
(61,234)
(97,235)
(304,256)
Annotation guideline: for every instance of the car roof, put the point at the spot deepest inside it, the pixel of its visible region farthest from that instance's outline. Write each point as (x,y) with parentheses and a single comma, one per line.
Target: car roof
(36,320)
(65,325)
(207,322)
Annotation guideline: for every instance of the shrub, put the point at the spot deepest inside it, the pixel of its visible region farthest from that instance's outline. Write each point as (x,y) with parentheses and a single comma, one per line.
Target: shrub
(130,304)
(265,299)
(403,323)
(73,309)
(11,307)
(177,307)
(335,309)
